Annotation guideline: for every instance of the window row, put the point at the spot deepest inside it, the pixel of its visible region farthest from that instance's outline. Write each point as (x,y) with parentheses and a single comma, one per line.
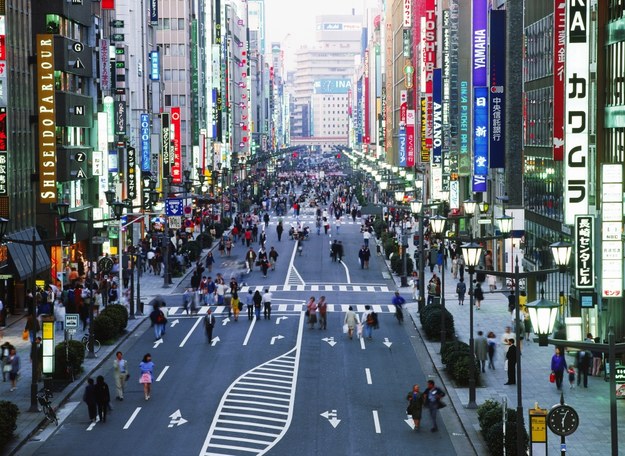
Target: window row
(539,49)
(171,23)
(175,75)
(175,49)
(175,100)
(539,121)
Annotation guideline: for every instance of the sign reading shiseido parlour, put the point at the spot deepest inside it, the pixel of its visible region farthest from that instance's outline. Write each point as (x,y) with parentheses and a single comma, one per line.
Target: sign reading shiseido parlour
(47,122)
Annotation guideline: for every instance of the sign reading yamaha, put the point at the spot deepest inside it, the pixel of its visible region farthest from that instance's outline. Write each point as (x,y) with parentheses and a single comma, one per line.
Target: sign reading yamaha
(584,252)
(47,118)
(145,142)
(480,138)
(576,110)
(479,43)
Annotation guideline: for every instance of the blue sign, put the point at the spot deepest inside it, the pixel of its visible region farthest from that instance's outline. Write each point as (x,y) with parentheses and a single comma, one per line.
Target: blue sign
(332,86)
(155,66)
(497,105)
(145,142)
(480,137)
(173,207)
(402,146)
(437,112)
(359,105)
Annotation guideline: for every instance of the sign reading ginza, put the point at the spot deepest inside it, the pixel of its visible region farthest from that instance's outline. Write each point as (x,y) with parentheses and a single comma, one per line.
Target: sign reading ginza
(576,109)
(47,121)
(584,252)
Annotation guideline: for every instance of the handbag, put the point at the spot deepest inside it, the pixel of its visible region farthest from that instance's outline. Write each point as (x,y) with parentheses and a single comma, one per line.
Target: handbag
(441,404)
(552,377)
(127,377)
(25,334)
(345,328)
(307,313)
(7,368)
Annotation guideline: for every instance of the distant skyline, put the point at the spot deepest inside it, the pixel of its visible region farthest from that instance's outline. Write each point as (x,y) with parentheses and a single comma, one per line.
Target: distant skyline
(292,22)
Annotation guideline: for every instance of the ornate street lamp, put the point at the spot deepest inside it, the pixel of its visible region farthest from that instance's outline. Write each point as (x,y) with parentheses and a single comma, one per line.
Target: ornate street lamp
(543,314)
(471,253)
(437,224)
(469,206)
(561,252)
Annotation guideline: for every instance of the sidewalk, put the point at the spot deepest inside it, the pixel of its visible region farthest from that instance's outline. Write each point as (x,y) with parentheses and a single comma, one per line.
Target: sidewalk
(29,422)
(592,404)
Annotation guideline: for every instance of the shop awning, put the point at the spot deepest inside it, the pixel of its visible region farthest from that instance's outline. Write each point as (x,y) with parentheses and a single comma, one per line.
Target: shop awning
(20,245)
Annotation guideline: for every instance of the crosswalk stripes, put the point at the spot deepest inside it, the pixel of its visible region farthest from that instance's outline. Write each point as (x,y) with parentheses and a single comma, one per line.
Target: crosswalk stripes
(279,308)
(300,287)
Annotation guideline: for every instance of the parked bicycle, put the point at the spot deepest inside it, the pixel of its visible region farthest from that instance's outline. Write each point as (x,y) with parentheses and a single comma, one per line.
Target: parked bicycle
(85,342)
(43,397)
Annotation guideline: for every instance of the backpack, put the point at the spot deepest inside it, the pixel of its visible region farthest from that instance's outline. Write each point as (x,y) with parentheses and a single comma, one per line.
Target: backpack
(372,319)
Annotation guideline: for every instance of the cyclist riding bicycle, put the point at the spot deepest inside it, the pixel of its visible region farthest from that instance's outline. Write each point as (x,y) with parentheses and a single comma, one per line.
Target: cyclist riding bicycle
(398,302)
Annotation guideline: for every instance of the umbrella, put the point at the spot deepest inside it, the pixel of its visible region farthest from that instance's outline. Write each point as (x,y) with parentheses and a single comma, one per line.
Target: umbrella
(158,220)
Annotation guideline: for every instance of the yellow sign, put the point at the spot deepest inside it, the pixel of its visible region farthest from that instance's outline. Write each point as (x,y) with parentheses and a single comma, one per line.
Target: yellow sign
(48,330)
(40,283)
(538,425)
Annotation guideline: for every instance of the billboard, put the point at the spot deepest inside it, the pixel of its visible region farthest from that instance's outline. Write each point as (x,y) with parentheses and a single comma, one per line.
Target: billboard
(559,60)
(497,100)
(176,163)
(584,251)
(479,43)
(145,142)
(46,108)
(480,138)
(576,110)
(611,230)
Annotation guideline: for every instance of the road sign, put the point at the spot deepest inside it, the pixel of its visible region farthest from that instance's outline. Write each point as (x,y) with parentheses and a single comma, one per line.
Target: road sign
(175,222)
(173,206)
(71,321)
(98,239)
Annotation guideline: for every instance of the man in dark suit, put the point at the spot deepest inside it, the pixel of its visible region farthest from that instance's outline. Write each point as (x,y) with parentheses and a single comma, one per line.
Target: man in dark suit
(511,358)
(209,324)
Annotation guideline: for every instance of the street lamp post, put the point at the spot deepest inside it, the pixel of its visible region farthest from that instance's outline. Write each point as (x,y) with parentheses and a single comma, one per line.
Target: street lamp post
(472,252)
(399,197)
(417,208)
(437,223)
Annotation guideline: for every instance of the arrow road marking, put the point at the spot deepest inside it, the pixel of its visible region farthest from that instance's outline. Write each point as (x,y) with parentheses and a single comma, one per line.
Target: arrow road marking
(331,416)
(273,339)
(330,341)
(174,323)
(176,419)
(215,340)
(280,318)
(158,342)
(225,322)
(387,343)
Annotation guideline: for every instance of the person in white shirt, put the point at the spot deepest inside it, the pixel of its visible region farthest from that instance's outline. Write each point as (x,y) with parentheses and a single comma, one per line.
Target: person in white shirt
(267,297)
(366,235)
(120,366)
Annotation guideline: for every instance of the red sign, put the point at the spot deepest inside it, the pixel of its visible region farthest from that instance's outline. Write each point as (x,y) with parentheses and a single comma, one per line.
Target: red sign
(176,168)
(108,4)
(429,43)
(3,48)
(559,42)
(410,138)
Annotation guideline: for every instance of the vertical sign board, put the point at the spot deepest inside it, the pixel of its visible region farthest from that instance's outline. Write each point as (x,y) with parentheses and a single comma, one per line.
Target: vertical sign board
(366,126)
(464,159)
(3,152)
(479,43)
(584,252)
(403,114)
(576,110)
(105,65)
(480,138)
(131,172)
(497,101)
(176,164)
(165,143)
(410,137)
(154,12)
(437,125)
(407,13)
(611,230)
(559,59)
(155,65)
(425,150)
(120,118)
(47,119)
(145,142)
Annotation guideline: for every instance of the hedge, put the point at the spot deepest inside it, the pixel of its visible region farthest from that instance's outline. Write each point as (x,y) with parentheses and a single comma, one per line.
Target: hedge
(8,421)
(119,314)
(432,324)
(105,327)
(74,357)
(397,265)
(491,423)
(193,248)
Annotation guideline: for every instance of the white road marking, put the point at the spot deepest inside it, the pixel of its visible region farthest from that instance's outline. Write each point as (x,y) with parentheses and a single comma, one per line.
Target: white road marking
(184,341)
(160,376)
(376,422)
(132,418)
(362,342)
(348,276)
(368,375)
(249,332)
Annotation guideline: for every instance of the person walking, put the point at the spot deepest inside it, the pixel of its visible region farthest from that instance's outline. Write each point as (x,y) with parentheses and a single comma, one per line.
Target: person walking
(279,231)
(102,397)
(481,349)
(583,360)
(461,289)
(311,312)
(235,305)
(415,406)
(478,295)
(322,308)
(351,320)
(249,303)
(432,400)
(273,257)
(89,398)
(267,297)
(210,261)
(158,320)
(414,284)
(32,326)
(492,344)
(368,320)
(558,366)
(120,368)
(146,368)
(209,324)
(15,363)
(511,358)
(258,301)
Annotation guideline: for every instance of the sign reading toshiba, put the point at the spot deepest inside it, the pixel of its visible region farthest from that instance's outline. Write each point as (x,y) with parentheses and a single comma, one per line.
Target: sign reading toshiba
(47,122)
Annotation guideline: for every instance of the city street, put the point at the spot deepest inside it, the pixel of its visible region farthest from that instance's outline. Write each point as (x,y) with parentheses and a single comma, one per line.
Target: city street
(274,385)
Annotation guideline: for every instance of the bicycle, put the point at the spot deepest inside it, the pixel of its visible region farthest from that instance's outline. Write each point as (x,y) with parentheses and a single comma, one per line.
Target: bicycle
(43,397)
(85,342)
(399,314)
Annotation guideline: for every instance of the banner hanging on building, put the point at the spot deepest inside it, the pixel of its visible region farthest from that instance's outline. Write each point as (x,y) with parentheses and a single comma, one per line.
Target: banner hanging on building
(611,230)
(437,118)
(479,43)
(584,252)
(165,143)
(497,101)
(176,159)
(145,142)
(559,60)
(410,137)
(480,139)
(46,109)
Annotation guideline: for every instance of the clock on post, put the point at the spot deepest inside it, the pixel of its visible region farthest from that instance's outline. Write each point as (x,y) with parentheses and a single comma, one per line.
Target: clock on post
(563,420)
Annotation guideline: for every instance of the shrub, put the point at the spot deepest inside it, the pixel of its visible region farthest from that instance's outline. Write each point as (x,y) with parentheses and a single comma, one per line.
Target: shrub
(193,248)
(205,240)
(397,265)
(105,327)
(390,246)
(432,324)
(451,347)
(425,312)
(119,314)
(379,226)
(8,421)
(493,438)
(461,371)
(486,412)
(73,355)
